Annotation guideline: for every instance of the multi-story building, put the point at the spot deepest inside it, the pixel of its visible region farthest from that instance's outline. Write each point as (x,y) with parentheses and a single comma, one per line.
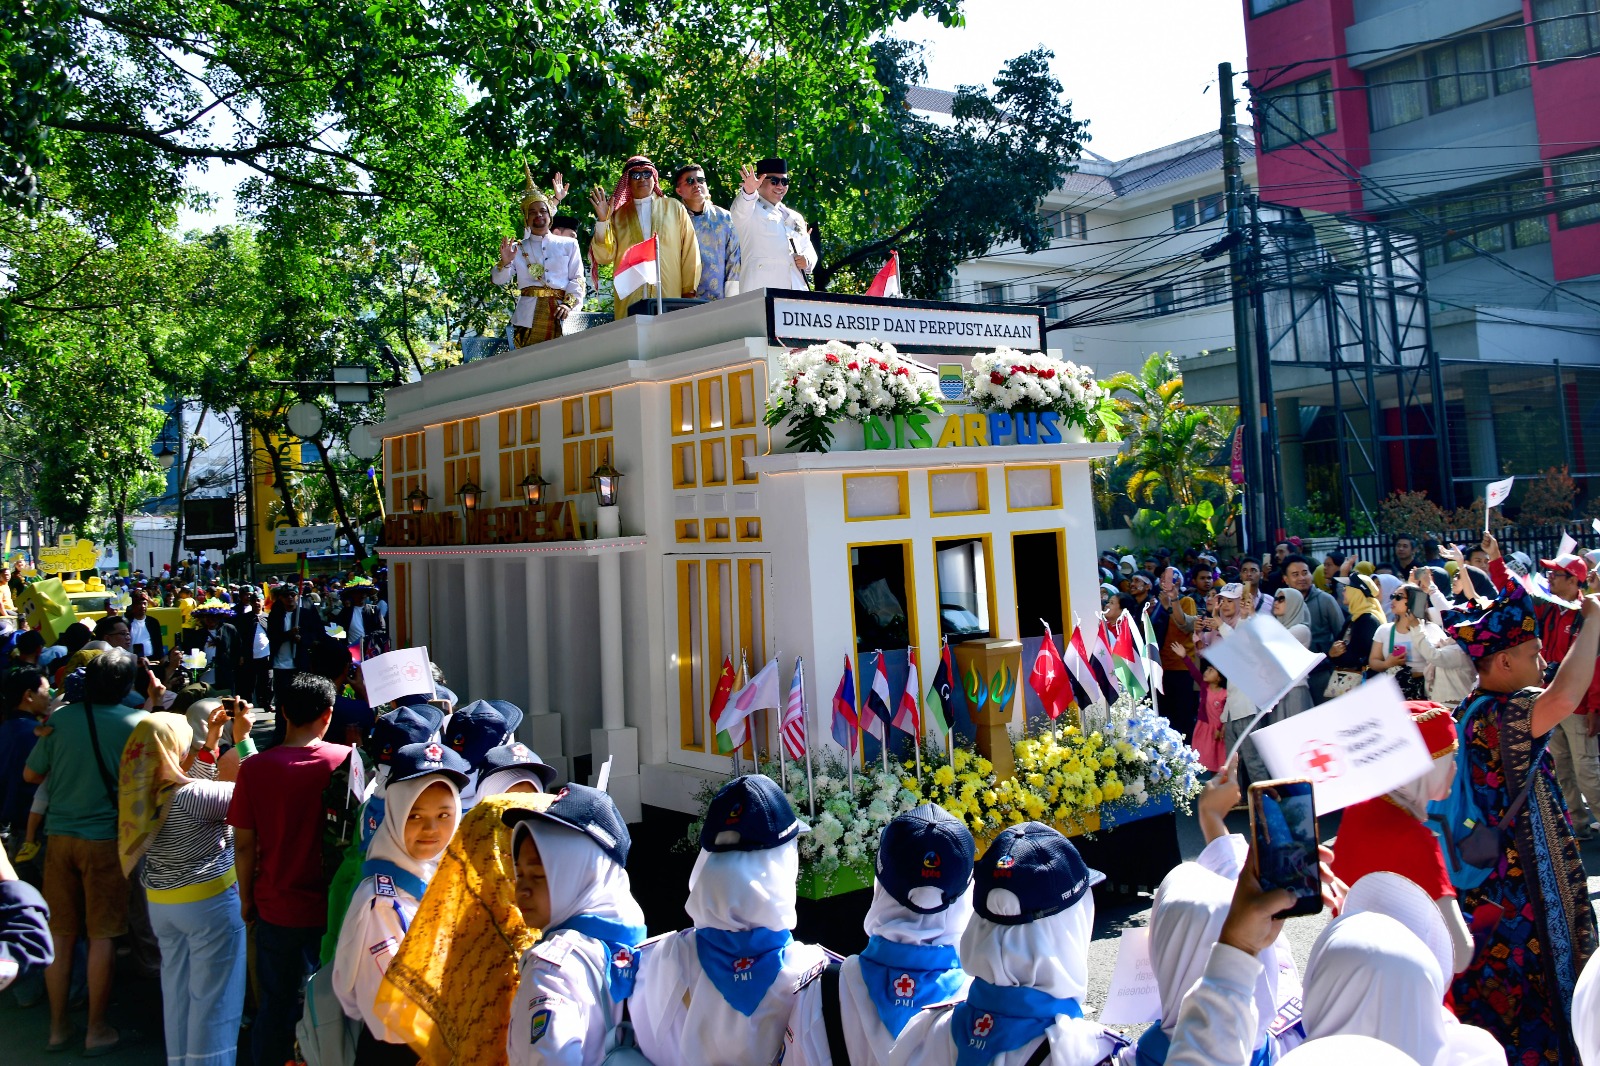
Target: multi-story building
(1475,125)
(1125,275)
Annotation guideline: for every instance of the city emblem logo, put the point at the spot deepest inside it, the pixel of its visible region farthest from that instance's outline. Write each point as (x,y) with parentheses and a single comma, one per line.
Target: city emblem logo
(538,1025)
(905,986)
(951,387)
(984,1025)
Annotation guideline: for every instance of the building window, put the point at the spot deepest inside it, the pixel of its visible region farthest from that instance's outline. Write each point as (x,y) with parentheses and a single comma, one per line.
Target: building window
(993,292)
(1566,28)
(1164,299)
(964,581)
(1510,49)
(1394,93)
(1261,7)
(1054,301)
(1456,73)
(1183,215)
(1577,176)
(1524,195)
(1210,208)
(1298,112)
(1068,224)
(1491,217)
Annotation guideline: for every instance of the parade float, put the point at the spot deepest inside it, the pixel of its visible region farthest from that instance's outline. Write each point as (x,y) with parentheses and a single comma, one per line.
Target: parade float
(597,526)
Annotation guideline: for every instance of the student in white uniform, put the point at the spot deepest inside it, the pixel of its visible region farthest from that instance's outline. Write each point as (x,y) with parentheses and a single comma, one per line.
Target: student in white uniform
(421,808)
(572,885)
(921,903)
(515,767)
(720,994)
(1027,951)
(774,246)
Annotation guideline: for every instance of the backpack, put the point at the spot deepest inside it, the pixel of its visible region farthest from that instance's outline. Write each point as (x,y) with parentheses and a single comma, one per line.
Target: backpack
(324,1035)
(342,799)
(1466,835)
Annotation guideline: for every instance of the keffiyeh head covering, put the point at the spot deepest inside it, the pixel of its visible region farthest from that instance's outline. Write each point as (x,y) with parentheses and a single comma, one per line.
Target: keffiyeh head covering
(468,931)
(621,195)
(1509,621)
(1369,975)
(149,775)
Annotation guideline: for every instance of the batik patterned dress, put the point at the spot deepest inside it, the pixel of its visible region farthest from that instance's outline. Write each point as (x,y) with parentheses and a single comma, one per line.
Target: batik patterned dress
(1531,920)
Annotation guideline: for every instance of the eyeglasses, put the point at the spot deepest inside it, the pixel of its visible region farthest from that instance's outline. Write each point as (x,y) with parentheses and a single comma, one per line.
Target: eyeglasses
(776,180)
(640,175)
(701,180)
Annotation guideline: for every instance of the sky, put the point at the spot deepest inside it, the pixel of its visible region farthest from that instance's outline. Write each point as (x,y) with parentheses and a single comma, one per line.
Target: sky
(1142,71)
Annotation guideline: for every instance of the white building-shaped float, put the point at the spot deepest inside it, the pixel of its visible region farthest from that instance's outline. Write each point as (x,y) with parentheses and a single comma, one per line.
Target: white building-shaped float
(610,628)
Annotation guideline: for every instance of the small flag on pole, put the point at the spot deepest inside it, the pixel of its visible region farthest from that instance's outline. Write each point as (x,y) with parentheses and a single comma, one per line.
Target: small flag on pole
(907,715)
(1049,678)
(793,727)
(1152,657)
(941,694)
(846,727)
(1496,494)
(877,702)
(1127,661)
(636,268)
(1076,657)
(887,280)
(730,734)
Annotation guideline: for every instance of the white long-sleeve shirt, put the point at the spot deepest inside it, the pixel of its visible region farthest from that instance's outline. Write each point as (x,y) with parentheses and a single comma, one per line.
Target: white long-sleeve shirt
(549,261)
(563,1008)
(865,1036)
(770,236)
(368,941)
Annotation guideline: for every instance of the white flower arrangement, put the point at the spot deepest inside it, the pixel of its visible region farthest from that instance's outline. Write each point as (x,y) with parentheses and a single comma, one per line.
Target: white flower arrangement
(1014,382)
(833,382)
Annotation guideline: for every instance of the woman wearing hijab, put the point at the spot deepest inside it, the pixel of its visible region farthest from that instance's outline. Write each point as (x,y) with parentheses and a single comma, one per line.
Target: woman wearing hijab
(175,819)
(1350,652)
(1371,974)
(720,994)
(1394,643)
(921,904)
(1386,583)
(573,886)
(1185,921)
(1389,833)
(422,805)
(1027,951)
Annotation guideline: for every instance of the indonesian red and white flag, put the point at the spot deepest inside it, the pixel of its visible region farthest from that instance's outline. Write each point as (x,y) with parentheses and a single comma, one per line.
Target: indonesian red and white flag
(908,714)
(887,280)
(636,268)
(793,726)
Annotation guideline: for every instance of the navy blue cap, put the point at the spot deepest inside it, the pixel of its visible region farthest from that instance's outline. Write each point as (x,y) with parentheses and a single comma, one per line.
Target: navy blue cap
(516,754)
(510,712)
(1038,866)
(402,726)
(588,810)
(926,847)
(429,757)
(474,729)
(749,813)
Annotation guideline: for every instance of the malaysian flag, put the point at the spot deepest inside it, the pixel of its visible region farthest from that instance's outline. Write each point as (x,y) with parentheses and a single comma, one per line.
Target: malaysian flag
(793,726)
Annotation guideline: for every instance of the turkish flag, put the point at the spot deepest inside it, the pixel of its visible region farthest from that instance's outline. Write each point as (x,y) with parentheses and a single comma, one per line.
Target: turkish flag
(1049,678)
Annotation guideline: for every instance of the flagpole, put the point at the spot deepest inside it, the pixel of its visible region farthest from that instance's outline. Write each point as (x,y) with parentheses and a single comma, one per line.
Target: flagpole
(888,730)
(805,732)
(657,239)
(917,745)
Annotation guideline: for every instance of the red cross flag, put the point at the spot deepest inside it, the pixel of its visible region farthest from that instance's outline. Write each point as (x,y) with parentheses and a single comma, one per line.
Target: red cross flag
(1353,748)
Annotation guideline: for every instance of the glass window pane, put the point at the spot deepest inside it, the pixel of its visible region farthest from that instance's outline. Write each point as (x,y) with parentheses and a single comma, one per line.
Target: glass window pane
(1577,176)
(1510,59)
(1564,28)
(1395,94)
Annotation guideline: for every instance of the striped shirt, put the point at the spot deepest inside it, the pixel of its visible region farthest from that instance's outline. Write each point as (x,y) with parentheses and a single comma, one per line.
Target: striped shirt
(195,843)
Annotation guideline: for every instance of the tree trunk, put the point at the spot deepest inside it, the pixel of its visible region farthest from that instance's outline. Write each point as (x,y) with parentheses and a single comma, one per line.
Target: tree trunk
(352,534)
(122,528)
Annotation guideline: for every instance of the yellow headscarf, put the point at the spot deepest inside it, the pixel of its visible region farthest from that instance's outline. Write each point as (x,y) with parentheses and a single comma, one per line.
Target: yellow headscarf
(467,937)
(1362,596)
(150,774)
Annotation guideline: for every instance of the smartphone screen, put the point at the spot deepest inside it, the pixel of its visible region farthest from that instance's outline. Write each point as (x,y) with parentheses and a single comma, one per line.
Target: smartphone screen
(1283,830)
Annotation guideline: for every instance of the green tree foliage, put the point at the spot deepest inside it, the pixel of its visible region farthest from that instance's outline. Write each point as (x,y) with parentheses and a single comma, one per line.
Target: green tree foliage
(1170,444)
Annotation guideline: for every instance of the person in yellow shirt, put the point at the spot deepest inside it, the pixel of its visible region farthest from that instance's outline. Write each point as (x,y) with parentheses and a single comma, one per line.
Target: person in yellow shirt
(632,214)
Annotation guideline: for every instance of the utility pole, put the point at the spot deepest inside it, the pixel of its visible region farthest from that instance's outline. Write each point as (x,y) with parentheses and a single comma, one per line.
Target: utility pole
(1241,274)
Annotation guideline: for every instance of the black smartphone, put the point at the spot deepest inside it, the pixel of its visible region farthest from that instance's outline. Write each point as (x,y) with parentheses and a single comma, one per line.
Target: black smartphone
(1283,832)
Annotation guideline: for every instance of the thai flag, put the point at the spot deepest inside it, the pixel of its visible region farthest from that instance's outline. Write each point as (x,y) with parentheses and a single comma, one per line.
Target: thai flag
(846,727)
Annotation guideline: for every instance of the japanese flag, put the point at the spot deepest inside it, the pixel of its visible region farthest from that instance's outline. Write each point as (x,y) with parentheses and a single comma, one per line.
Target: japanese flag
(636,268)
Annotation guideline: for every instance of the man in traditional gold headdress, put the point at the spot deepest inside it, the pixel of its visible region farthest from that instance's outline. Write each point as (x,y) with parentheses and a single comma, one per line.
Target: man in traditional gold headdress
(547,268)
(633,213)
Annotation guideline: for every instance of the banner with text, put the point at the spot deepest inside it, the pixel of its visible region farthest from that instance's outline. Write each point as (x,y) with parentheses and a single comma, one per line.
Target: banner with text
(798,319)
(287,540)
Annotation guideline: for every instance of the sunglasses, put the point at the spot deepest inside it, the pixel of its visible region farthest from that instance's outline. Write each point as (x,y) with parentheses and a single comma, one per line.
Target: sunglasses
(701,180)
(640,175)
(1397,597)
(776,181)
(1280,599)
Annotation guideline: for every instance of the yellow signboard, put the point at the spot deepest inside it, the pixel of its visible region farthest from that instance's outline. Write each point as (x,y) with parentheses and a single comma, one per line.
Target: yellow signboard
(68,556)
(268,501)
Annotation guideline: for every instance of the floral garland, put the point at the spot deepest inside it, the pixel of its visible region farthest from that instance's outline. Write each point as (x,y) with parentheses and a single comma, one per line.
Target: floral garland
(834,382)
(1014,382)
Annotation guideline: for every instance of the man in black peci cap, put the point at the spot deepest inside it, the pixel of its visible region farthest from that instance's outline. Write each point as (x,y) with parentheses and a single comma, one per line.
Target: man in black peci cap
(921,903)
(775,250)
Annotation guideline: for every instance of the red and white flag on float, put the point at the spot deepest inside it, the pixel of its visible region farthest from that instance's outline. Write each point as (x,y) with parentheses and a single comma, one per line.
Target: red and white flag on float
(887,281)
(793,726)
(908,712)
(636,268)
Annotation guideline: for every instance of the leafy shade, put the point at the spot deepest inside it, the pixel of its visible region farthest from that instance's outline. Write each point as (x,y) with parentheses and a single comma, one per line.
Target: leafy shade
(1170,444)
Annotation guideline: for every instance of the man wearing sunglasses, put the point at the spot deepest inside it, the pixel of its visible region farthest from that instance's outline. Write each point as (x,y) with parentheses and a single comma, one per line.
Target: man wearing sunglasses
(775,249)
(713,227)
(636,211)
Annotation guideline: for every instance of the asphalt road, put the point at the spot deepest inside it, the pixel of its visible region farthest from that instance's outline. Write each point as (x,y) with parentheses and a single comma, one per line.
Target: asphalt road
(137,1005)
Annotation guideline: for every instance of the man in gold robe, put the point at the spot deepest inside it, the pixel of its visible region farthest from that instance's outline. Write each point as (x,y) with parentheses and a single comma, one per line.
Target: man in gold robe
(633,213)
